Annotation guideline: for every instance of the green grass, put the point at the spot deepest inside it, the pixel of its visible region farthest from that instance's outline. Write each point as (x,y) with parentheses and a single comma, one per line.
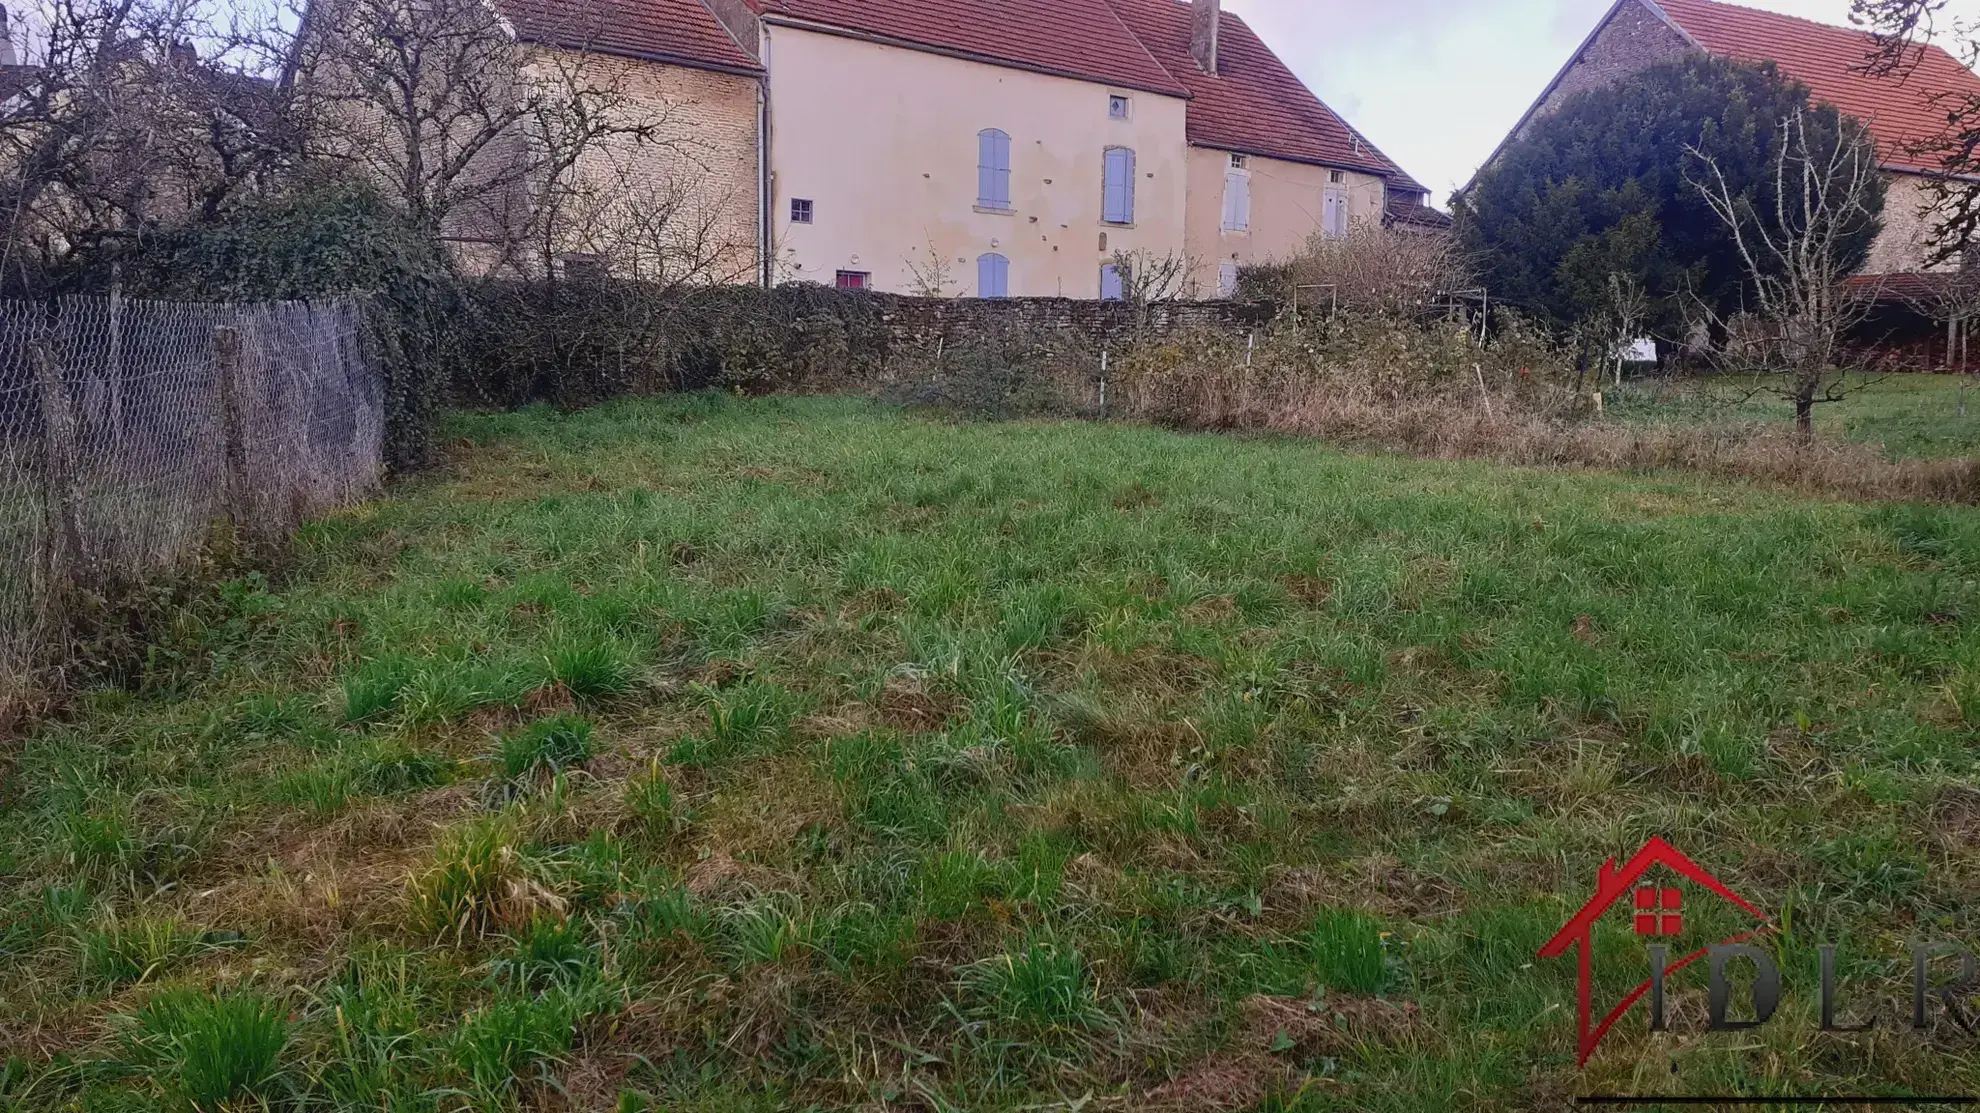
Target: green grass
(713,754)
(1911,417)
(556,743)
(207,1052)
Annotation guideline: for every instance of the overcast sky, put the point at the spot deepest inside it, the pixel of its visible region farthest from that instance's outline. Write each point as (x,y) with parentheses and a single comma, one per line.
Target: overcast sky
(1438,83)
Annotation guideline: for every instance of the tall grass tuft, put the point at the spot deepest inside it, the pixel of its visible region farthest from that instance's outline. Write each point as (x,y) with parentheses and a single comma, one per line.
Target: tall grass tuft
(593,670)
(464,892)
(1043,986)
(555,743)
(207,1050)
(1347,950)
(500,1046)
(124,951)
(374,689)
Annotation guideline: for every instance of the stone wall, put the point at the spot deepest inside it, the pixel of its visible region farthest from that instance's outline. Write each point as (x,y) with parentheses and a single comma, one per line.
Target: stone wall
(580,342)
(922,321)
(1906,242)
(691,184)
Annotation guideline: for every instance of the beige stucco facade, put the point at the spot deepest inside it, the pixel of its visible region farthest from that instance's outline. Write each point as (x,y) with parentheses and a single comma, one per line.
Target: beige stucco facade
(883,142)
(1288,203)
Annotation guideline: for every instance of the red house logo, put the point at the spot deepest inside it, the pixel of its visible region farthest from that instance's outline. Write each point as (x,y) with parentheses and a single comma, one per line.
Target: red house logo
(1656,911)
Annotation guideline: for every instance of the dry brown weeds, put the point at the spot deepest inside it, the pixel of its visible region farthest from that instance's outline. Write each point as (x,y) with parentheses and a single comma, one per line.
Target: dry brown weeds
(1451,427)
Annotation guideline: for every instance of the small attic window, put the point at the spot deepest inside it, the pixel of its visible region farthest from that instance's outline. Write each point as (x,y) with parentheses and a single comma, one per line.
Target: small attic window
(1239,162)
(1336,177)
(1117,107)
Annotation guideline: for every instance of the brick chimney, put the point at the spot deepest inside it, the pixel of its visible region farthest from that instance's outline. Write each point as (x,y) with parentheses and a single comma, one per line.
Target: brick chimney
(1204,18)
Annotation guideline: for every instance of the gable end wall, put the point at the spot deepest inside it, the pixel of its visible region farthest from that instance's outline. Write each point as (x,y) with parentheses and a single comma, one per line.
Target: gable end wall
(1635,39)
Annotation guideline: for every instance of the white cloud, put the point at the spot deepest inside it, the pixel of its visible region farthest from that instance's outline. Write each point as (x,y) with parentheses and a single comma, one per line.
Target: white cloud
(1438,83)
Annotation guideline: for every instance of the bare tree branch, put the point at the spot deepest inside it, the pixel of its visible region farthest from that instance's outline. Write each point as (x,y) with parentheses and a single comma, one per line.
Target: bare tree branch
(1824,189)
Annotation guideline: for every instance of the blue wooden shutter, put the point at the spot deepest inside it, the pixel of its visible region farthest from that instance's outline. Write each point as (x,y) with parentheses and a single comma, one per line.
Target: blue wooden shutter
(1118,202)
(1111,287)
(993,169)
(993,276)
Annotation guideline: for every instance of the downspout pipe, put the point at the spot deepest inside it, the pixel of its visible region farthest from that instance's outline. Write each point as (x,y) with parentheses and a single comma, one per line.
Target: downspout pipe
(765,197)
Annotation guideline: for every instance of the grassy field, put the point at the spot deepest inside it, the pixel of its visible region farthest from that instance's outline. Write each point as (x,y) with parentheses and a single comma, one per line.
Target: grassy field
(719,755)
(1914,417)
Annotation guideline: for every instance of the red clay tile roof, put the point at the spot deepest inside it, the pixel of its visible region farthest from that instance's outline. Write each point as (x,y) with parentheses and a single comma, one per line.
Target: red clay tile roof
(1406,209)
(1072,38)
(1903,111)
(669,30)
(1254,105)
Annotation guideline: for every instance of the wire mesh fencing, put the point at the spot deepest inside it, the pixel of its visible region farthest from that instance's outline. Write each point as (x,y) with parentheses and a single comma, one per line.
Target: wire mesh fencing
(129,429)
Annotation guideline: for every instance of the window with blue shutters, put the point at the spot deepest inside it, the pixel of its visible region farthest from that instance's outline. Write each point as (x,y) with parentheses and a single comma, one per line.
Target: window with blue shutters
(1112,288)
(1118,201)
(993,276)
(993,169)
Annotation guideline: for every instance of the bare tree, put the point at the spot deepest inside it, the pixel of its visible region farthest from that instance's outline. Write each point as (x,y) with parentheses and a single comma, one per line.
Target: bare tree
(477,135)
(1374,269)
(1825,187)
(1148,278)
(1609,331)
(111,122)
(933,275)
(1900,29)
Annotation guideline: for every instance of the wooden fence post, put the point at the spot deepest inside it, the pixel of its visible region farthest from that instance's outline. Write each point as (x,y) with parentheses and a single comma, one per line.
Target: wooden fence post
(233,439)
(68,558)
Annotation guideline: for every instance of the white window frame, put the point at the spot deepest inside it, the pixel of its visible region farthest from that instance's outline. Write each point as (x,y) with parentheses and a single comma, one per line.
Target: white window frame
(1120,106)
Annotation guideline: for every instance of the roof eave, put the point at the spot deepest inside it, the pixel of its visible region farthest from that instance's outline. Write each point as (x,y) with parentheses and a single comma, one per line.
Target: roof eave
(877,39)
(755,71)
(1925,172)
(1373,169)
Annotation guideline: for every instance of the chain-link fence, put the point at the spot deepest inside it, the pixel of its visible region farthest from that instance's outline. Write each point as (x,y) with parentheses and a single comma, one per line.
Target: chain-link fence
(129,429)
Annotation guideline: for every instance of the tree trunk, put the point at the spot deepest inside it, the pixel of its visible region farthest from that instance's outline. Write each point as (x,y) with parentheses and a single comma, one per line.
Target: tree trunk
(1804,406)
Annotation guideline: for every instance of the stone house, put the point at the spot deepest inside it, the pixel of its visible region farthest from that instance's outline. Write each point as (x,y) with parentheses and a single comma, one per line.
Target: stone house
(680,65)
(987,148)
(1905,113)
